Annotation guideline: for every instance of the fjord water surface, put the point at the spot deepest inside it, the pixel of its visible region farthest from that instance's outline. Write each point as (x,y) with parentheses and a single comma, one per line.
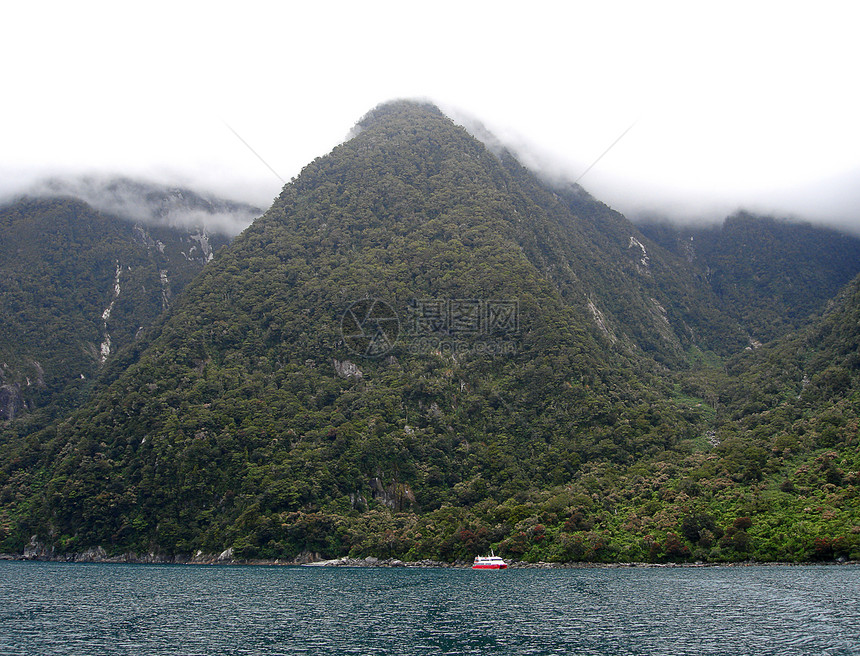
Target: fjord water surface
(58,608)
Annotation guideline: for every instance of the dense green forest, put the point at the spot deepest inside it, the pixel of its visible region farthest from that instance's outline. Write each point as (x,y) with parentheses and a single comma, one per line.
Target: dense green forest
(79,286)
(423,351)
(771,275)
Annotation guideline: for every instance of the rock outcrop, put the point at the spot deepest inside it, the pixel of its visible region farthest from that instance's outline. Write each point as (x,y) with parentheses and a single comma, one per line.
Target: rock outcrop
(11,401)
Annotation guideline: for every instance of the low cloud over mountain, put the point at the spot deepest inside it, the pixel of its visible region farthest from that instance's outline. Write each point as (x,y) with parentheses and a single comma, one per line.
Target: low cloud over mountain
(152,203)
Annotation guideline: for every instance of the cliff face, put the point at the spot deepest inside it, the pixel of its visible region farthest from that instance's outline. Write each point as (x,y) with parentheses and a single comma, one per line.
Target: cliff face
(11,401)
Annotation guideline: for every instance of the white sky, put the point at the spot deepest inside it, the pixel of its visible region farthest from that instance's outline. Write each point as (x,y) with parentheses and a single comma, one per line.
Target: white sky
(735,104)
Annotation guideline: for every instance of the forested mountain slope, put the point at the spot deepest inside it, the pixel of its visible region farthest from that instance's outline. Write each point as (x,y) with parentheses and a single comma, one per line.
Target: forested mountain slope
(420,350)
(770,275)
(78,286)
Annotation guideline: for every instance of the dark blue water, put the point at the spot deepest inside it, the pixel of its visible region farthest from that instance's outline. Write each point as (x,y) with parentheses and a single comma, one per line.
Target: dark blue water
(54,608)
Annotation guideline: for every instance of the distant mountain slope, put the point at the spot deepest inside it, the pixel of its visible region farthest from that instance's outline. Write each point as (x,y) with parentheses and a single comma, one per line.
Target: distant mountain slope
(770,275)
(78,286)
(815,371)
(642,296)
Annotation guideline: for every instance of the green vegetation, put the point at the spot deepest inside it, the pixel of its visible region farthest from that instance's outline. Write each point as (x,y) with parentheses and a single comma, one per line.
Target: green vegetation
(62,263)
(622,420)
(771,275)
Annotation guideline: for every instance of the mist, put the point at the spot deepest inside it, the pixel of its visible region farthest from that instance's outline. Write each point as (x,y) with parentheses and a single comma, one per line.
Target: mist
(647,196)
(143,201)
(226,202)
(741,105)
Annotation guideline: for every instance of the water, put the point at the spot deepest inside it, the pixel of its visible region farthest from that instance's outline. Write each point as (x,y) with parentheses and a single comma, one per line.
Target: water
(57,608)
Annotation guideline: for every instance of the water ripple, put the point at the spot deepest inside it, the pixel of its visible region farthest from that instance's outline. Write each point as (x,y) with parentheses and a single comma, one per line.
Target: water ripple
(55,608)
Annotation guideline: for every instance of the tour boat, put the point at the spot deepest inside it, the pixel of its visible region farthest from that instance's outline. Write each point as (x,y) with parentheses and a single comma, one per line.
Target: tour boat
(489,562)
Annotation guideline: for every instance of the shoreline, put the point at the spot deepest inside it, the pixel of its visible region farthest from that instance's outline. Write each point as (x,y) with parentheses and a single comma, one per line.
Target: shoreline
(225,558)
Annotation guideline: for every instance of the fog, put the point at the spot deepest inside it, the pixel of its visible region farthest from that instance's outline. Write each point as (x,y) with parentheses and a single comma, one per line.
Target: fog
(732,105)
(146,202)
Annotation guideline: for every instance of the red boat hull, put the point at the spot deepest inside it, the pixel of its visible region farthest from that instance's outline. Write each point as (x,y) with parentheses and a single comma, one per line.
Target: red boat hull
(489,566)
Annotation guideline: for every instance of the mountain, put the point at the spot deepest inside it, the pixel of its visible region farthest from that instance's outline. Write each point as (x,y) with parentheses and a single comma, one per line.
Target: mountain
(812,373)
(420,350)
(793,428)
(770,275)
(81,284)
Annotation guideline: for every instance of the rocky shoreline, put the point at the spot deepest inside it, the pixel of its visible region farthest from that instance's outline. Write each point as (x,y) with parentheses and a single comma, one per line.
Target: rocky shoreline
(309,559)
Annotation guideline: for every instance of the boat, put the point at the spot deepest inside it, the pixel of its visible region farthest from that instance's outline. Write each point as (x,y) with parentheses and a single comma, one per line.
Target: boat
(489,562)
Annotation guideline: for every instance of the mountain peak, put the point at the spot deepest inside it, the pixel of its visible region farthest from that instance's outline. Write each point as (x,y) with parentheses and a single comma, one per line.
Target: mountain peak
(399,110)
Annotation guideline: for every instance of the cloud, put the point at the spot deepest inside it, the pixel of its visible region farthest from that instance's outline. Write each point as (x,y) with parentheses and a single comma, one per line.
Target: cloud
(707,192)
(738,104)
(151,203)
